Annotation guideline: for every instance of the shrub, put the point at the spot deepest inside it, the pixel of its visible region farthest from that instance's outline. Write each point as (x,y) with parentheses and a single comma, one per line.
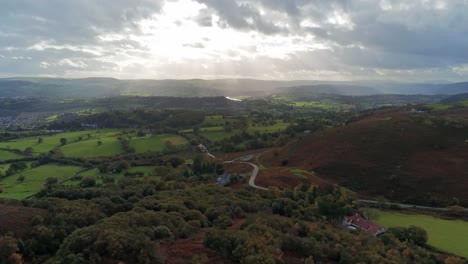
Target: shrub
(163,232)
(87,182)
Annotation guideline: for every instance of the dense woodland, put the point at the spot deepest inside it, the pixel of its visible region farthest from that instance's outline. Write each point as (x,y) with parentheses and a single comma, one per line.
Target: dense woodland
(132,219)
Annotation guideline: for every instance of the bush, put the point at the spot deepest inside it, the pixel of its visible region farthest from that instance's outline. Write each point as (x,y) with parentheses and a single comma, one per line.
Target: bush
(223,222)
(413,234)
(163,232)
(21,178)
(87,182)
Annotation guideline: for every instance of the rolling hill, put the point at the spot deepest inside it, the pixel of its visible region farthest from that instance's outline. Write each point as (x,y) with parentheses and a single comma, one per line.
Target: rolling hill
(328,89)
(453,88)
(105,87)
(403,154)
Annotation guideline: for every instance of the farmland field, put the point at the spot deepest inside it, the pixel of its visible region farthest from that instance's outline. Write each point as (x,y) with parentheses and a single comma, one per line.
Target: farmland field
(51,141)
(217,133)
(94,173)
(89,148)
(447,235)
(156,143)
(439,106)
(278,126)
(6,155)
(34,180)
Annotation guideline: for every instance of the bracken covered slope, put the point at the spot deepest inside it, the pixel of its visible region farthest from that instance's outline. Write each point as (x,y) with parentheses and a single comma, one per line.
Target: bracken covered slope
(402,154)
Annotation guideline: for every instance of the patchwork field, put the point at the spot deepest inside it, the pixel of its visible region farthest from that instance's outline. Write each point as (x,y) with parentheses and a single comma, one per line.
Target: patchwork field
(447,235)
(156,143)
(6,155)
(51,141)
(89,148)
(34,180)
(98,176)
(218,133)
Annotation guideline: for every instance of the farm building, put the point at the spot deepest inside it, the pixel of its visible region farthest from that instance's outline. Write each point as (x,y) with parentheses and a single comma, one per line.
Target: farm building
(201,148)
(223,179)
(358,222)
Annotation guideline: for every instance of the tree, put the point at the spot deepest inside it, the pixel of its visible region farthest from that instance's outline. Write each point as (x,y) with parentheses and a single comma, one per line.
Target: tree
(63,141)
(413,234)
(169,146)
(40,140)
(16,167)
(87,182)
(28,151)
(21,178)
(370,213)
(381,202)
(50,181)
(8,247)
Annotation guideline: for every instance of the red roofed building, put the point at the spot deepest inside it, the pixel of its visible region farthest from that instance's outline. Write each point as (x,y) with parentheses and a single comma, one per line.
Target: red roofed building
(358,222)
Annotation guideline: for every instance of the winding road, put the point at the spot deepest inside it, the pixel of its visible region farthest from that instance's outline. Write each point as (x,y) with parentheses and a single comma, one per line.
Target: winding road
(364,201)
(253,176)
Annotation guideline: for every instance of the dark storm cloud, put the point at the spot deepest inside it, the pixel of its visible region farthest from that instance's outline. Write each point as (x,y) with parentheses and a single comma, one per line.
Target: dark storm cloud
(72,21)
(393,34)
(241,15)
(67,25)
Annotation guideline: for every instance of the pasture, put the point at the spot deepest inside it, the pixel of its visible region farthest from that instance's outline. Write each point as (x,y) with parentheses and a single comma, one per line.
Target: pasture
(98,176)
(447,235)
(217,133)
(89,148)
(51,141)
(6,155)
(156,143)
(34,180)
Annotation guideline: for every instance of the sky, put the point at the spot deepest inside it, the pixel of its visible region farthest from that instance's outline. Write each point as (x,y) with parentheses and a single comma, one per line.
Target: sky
(400,40)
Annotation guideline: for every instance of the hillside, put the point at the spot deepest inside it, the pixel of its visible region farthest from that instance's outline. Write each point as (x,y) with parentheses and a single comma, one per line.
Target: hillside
(405,155)
(455,98)
(329,89)
(104,87)
(454,88)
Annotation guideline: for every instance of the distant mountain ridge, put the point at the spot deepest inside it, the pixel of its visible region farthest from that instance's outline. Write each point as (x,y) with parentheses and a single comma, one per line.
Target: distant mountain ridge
(105,87)
(329,89)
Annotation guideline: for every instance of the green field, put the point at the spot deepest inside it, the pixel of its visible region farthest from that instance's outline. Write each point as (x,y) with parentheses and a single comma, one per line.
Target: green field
(439,106)
(215,120)
(89,148)
(326,104)
(156,143)
(217,133)
(446,106)
(6,155)
(94,173)
(34,180)
(278,126)
(52,141)
(447,235)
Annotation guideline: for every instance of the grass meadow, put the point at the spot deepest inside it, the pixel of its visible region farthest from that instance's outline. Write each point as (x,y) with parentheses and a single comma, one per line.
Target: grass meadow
(447,235)
(156,143)
(34,180)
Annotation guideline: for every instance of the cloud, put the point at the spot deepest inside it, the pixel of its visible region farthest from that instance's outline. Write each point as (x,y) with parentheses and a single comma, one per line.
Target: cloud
(194,45)
(274,39)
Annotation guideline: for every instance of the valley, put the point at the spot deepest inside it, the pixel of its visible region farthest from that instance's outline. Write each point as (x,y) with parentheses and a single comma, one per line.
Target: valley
(305,157)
